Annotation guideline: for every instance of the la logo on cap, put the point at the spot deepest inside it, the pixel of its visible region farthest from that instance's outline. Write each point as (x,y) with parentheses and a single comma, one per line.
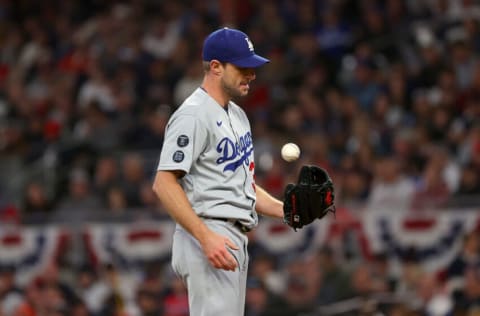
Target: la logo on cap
(250,44)
(228,46)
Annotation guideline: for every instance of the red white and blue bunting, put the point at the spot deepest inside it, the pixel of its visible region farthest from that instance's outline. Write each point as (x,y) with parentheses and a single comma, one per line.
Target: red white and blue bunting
(129,245)
(278,238)
(30,249)
(436,238)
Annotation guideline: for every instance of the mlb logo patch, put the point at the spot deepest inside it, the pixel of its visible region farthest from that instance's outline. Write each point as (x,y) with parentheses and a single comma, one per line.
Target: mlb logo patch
(178,156)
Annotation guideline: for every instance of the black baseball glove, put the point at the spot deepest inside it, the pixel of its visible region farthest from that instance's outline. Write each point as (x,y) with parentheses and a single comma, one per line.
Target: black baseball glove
(311,198)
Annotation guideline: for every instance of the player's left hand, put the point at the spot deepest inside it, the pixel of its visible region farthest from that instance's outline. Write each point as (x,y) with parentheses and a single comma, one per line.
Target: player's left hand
(310,198)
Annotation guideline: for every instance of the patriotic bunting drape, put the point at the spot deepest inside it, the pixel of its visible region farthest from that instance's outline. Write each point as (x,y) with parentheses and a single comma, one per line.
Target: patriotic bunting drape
(436,238)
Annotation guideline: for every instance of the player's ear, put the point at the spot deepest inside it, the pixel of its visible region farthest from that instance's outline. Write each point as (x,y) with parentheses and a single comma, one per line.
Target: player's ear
(216,67)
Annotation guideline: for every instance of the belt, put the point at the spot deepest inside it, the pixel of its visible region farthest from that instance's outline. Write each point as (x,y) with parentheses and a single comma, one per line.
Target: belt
(235,222)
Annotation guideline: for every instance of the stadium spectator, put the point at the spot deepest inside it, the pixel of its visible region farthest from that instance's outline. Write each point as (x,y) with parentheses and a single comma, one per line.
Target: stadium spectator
(390,188)
(261,302)
(79,200)
(11,296)
(335,281)
(132,177)
(37,201)
(106,174)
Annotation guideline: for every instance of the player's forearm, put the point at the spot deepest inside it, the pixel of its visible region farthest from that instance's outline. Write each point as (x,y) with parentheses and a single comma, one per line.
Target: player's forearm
(175,202)
(268,205)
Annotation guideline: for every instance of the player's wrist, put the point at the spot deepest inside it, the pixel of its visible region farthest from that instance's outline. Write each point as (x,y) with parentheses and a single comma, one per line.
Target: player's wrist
(202,233)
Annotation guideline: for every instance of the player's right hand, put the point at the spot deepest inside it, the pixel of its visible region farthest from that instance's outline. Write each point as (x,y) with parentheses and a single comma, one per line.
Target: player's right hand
(215,249)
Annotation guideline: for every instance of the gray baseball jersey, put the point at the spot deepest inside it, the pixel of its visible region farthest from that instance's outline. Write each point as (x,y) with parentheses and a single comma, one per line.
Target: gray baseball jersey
(214,147)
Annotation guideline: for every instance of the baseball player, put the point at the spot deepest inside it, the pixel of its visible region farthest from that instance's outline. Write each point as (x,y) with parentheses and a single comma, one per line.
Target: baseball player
(205,179)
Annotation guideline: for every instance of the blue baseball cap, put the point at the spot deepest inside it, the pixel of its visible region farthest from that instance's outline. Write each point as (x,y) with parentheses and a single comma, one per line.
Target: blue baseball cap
(231,46)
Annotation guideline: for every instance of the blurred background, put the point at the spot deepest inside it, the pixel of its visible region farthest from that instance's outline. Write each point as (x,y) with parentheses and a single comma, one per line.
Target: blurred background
(383,94)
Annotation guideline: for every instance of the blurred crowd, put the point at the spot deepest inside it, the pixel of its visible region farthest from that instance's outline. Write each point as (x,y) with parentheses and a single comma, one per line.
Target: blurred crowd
(326,282)
(384,94)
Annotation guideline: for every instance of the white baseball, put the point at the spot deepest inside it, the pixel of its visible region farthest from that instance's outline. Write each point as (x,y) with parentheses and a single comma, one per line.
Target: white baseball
(290,152)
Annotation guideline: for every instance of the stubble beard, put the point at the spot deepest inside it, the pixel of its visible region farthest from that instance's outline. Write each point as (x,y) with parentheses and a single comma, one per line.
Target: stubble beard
(231,91)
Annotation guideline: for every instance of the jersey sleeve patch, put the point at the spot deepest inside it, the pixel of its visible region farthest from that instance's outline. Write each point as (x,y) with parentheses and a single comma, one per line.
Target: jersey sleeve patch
(178,156)
(185,139)
(182,140)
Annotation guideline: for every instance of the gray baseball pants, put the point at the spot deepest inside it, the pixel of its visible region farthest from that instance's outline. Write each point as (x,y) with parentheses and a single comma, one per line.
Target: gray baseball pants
(211,291)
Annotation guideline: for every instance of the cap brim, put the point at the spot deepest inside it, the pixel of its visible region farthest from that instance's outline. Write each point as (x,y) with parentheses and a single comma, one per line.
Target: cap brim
(252,61)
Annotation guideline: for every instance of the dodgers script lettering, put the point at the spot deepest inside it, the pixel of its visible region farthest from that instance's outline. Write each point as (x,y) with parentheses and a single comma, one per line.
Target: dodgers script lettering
(236,152)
